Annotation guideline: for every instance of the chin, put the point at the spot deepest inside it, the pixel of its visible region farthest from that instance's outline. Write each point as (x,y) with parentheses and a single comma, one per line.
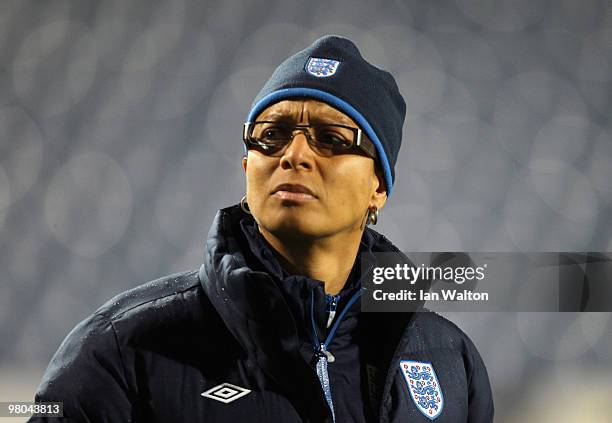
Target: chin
(293,223)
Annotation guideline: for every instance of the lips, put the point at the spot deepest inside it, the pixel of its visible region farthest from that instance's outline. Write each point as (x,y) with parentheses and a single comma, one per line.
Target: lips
(293,192)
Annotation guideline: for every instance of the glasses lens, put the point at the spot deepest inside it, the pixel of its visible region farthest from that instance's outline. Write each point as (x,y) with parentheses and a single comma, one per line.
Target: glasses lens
(270,137)
(333,137)
(271,133)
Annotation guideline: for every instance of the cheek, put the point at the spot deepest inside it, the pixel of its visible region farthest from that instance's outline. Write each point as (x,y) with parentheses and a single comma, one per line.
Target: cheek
(258,172)
(349,185)
(254,187)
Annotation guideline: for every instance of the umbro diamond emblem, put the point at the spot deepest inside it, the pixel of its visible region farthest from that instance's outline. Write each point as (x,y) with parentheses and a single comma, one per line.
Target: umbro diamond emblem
(226,392)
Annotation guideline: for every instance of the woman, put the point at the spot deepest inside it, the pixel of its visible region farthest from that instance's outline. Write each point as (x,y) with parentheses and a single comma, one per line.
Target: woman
(269,329)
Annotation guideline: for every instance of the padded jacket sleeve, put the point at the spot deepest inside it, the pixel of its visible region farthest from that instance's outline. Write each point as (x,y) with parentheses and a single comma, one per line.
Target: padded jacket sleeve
(87,375)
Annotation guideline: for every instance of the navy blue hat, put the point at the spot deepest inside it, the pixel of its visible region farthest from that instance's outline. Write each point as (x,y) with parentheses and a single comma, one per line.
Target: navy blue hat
(332,70)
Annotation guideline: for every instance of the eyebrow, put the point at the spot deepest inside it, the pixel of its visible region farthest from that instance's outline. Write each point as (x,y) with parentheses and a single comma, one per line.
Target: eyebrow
(278,117)
(289,118)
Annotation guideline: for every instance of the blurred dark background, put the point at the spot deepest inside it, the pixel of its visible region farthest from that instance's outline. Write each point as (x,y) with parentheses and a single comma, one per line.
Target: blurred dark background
(120,126)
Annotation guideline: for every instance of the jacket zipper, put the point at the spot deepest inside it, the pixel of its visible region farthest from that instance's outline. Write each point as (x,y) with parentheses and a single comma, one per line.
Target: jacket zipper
(332,305)
(321,348)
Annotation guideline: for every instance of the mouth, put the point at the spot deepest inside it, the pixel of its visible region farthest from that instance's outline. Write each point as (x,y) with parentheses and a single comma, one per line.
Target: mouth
(294,192)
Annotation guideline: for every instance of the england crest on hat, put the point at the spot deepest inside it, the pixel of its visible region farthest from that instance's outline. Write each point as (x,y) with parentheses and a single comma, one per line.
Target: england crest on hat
(321,68)
(424,387)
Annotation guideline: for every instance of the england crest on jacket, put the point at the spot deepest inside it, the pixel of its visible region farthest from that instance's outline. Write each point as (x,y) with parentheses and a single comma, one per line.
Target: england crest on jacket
(424,387)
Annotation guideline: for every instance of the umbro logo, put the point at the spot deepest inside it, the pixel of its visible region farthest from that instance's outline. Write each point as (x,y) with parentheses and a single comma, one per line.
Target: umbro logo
(226,392)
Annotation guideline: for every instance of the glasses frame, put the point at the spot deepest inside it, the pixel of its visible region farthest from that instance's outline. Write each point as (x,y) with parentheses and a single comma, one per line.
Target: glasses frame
(361,140)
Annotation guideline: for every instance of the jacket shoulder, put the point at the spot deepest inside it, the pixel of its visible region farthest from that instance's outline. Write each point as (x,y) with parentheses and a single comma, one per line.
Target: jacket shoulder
(430,330)
(172,289)
(96,336)
(165,311)
(87,360)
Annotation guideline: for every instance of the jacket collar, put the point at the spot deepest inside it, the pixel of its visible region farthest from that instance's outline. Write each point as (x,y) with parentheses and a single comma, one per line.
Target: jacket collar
(297,289)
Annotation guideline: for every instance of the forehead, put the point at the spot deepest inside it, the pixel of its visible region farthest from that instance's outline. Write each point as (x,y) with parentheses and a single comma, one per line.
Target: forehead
(305,110)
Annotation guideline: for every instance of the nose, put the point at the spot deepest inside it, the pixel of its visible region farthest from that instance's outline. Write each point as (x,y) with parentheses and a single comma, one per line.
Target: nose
(298,154)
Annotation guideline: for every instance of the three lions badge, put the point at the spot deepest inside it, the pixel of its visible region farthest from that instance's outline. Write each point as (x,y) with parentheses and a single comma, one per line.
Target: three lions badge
(424,387)
(321,68)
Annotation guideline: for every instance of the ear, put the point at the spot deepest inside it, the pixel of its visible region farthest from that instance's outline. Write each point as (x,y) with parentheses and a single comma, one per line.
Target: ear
(379,196)
(244,163)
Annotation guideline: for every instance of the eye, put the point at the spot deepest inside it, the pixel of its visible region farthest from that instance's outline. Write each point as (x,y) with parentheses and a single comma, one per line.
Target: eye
(275,133)
(271,133)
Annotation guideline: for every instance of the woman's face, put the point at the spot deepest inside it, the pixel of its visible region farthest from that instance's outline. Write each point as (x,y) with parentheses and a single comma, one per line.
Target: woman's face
(339,188)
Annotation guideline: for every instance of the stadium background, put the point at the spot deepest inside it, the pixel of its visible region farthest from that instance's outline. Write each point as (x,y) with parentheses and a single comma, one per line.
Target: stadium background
(120,127)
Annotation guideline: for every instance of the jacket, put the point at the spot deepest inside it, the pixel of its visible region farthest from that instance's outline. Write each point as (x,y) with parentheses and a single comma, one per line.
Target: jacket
(241,340)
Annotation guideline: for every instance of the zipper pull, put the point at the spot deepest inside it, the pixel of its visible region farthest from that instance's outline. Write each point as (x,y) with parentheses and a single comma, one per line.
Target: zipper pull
(332,304)
(330,357)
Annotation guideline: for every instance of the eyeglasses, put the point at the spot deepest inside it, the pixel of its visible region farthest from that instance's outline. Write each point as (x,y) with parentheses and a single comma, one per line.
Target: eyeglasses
(271,138)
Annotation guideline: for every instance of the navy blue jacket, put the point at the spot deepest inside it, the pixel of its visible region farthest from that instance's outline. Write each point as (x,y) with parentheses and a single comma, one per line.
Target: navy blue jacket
(236,341)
